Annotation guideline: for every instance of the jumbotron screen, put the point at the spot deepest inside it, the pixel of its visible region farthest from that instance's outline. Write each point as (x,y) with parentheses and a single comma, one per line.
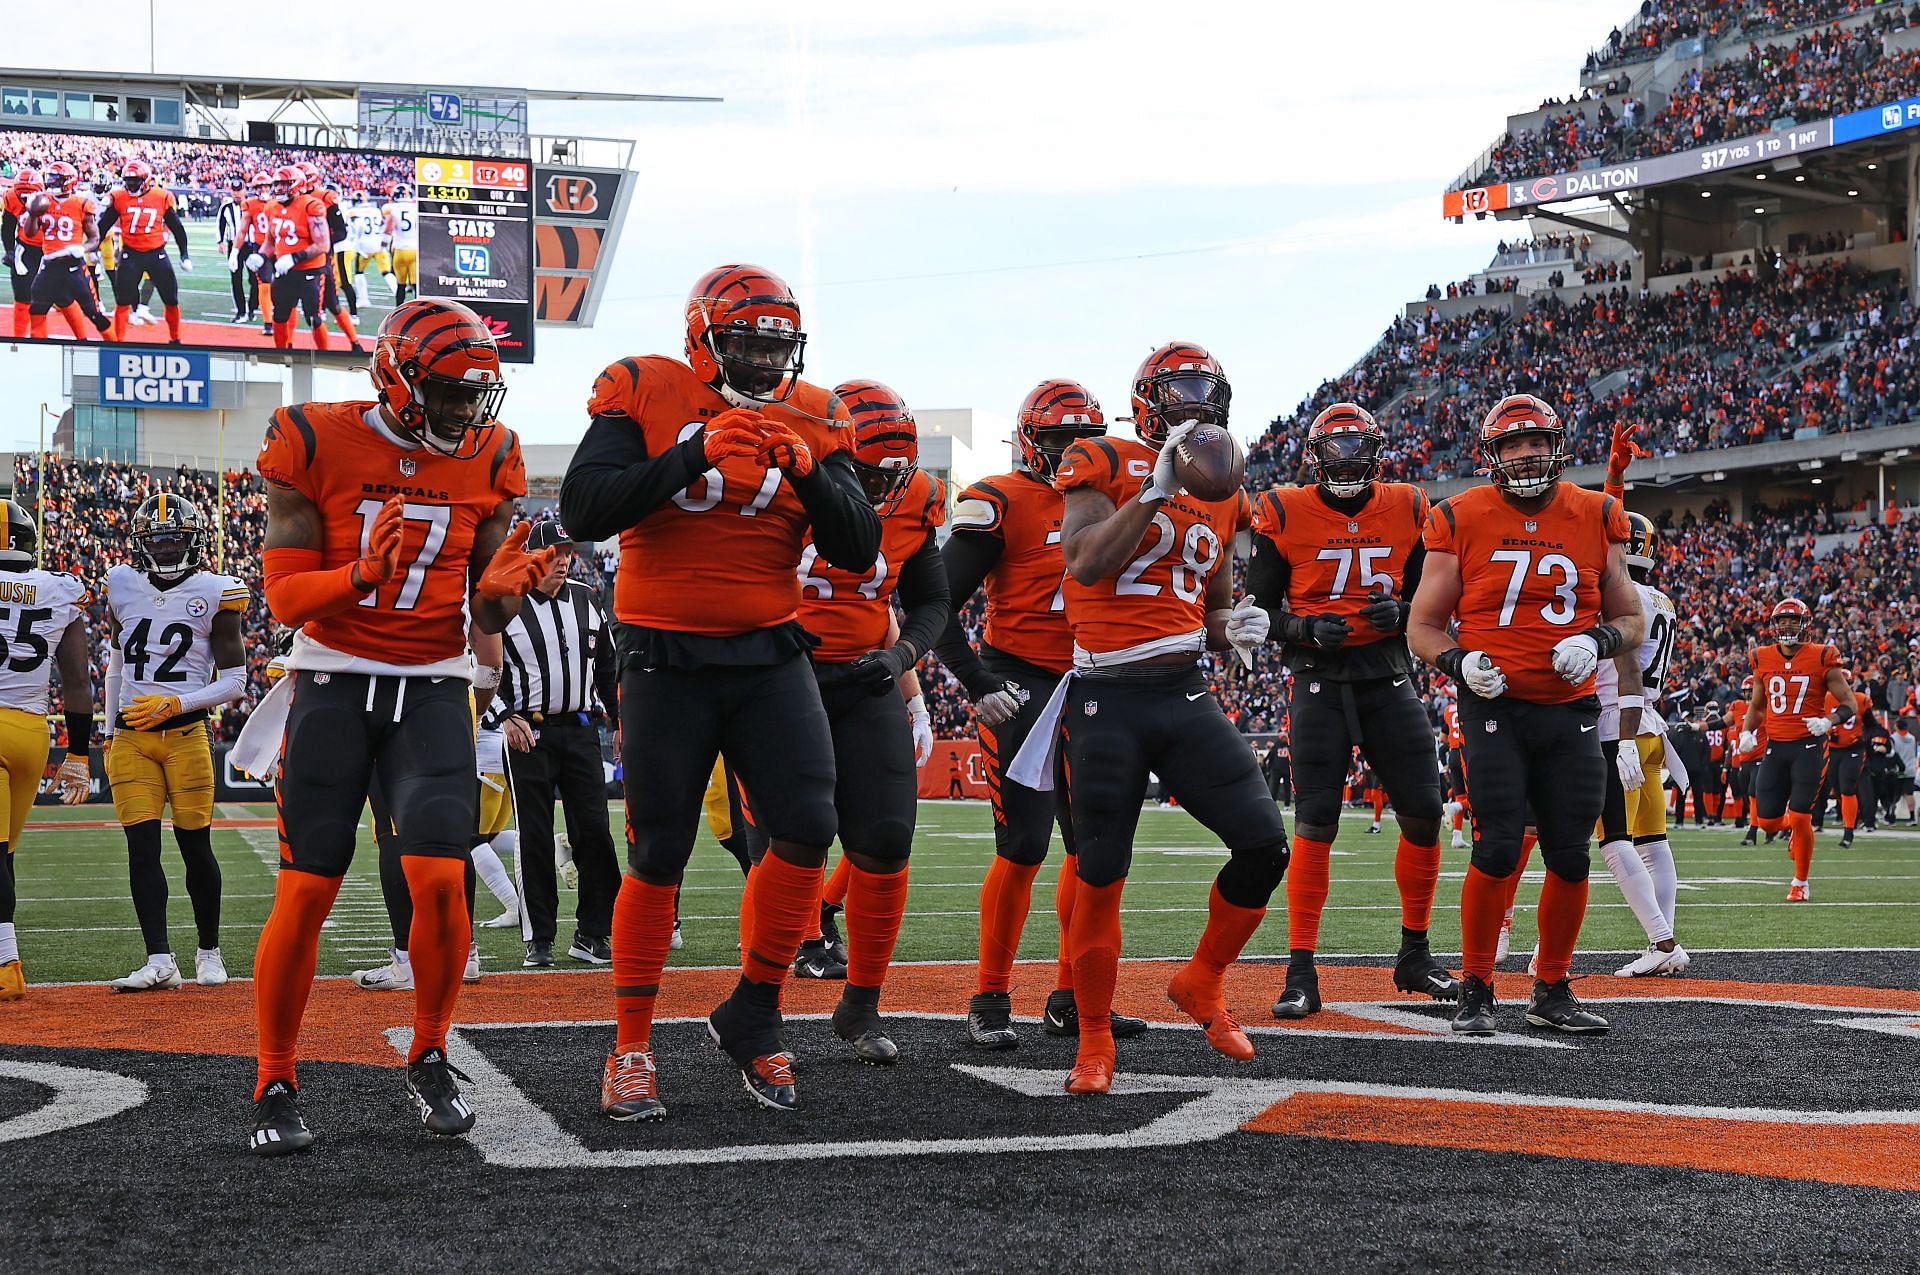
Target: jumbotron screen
(145,241)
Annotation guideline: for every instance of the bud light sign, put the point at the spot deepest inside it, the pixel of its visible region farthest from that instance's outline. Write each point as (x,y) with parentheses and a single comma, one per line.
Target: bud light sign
(155,380)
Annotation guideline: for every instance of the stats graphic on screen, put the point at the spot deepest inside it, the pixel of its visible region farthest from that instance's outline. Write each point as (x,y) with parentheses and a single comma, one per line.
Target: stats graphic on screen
(171,242)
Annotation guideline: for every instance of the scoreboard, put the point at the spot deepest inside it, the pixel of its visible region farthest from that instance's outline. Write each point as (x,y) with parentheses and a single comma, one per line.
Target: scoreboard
(476,242)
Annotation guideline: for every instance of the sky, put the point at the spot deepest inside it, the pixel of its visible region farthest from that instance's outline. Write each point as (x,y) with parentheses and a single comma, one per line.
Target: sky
(974,197)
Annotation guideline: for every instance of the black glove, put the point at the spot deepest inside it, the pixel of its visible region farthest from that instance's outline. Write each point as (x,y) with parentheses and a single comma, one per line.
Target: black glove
(877,671)
(1318,630)
(1386,613)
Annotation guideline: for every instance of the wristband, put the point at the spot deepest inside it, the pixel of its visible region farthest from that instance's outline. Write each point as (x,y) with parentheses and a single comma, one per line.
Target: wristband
(917,706)
(1841,715)
(1450,661)
(486,677)
(80,734)
(1633,701)
(1606,637)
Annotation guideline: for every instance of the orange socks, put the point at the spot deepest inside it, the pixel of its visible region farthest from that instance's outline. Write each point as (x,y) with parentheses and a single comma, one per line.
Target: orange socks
(875,903)
(345,321)
(1849,811)
(1095,945)
(1066,891)
(642,936)
(321,341)
(1800,842)
(1005,899)
(120,316)
(1563,906)
(1379,798)
(283,334)
(784,894)
(173,322)
(1416,870)
(1483,901)
(1307,873)
(835,890)
(437,944)
(283,969)
(1229,926)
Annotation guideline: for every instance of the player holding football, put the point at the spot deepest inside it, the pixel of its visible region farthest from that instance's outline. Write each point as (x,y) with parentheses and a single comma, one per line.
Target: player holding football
(1344,557)
(69,233)
(1149,590)
(1532,569)
(387,522)
(145,214)
(713,473)
(1794,682)
(177,652)
(1006,539)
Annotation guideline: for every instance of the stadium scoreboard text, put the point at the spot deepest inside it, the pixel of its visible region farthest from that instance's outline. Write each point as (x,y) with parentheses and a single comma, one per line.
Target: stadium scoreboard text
(476,238)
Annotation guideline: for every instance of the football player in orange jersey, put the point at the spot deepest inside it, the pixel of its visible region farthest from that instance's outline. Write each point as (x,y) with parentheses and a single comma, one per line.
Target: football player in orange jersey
(387,524)
(713,473)
(1534,570)
(301,249)
(1149,591)
(1743,766)
(1335,564)
(1006,539)
(1458,806)
(1840,778)
(256,248)
(20,243)
(331,300)
(63,216)
(145,214)
(1794,683)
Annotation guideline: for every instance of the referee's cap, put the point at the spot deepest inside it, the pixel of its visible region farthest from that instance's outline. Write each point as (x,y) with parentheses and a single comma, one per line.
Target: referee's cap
(546,533)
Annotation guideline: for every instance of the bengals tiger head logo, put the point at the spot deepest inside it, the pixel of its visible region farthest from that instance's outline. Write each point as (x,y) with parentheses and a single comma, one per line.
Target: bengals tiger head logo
(580,195)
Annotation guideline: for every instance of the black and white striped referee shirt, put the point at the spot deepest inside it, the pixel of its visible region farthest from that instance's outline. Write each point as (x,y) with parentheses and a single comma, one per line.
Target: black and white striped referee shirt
(559,653)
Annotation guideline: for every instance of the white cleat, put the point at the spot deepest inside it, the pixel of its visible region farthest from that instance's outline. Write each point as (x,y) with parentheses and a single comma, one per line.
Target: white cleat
(472,974)
(209,967)
(391,977)
(1654,961)
(1459,839)
(1533,961)
(510,919)
(143,315)
(678,941)
(153,976)
(1677,961)
(1502,948)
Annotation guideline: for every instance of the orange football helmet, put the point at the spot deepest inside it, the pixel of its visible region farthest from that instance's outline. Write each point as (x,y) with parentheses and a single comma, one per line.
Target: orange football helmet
(886,441)
(138,175)
(1343,449)
(744,336)
(437,372)
(286,182)
(309,177)
(60,178)
(26,181)
(1510,418)
(1052,416)
(1178,382)
(261,183)
(1789,621)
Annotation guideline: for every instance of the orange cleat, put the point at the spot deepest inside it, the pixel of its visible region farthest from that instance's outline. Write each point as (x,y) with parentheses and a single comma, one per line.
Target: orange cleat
(1797,894)
(1210,1011)
(630,1087)
(1090,1075)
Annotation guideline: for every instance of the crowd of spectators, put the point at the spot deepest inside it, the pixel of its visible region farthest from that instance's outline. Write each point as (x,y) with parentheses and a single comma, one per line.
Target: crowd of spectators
(1661,23)
(1474,288)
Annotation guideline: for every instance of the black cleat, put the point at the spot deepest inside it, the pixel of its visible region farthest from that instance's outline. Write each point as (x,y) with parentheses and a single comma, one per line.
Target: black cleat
(1062,1018)
(1475,1015)
(830,932)
(278,1127)
(430,1079)
(592,950)
(1846,839)
(856,1020)
(1553,1005)
(1302,994)
(1752,838)
(539,955)
(1418,974)
(752,1040)
(990,1021)
(1771,837)
(815,960)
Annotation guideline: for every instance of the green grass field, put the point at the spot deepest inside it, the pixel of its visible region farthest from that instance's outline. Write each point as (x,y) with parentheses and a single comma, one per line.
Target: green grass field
(76,922)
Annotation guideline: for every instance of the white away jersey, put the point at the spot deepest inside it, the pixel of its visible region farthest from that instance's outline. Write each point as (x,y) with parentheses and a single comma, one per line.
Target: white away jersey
(35,609)
(366,229)
(403,223)
(1656,652)
(165,635)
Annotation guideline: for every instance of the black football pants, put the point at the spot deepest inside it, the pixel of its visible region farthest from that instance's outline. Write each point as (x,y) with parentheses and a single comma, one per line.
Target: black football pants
(1381,716)
(1518,755)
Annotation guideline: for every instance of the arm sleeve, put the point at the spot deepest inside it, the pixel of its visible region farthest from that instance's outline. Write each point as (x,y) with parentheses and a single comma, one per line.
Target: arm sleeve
(299,590)
(1416,563)
(228,684)
(177,227)
(111,704)
(9,228)
(846,530)
(612,483)
(968,557)
(606,666)
(924,592)
(1268,578)
(109,216)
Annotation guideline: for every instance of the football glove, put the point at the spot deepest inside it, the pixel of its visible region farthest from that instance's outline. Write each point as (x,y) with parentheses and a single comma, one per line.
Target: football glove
(1817,726)
(1326,631)
(233,259)
(148,711)
(1386,613)
(877,671)
(1482,676)
(381,562)
(1626,449)
(283,265)
(922,723)
(781,448)
(186,264)
(996,708)
(75,778)
(1748,741)
(1161,484)
(20,259)
(255,261)
(1247,628)
(735,432)
(514,572)
(1575,658)
(1627,762)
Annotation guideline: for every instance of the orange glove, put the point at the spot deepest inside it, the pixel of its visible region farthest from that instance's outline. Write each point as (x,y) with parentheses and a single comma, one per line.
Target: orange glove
(1626,449)
(381,562)
(514,572)
(781,448)
(148,711)
(735,432)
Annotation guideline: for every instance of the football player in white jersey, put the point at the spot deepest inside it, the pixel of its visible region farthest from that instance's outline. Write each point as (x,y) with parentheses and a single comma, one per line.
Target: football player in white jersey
(366,245)
(402,218)
(42,621)
(177,652)
(1633,822)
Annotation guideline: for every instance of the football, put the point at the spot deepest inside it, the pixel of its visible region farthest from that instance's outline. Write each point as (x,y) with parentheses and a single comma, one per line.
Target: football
(39,207)
(1209,463)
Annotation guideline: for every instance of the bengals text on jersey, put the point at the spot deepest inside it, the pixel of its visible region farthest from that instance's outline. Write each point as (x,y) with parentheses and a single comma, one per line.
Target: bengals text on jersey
(1026,586)
(1161,592)
(341,457)
(848,612)
(1528,579)
(721,556)
(1792,687)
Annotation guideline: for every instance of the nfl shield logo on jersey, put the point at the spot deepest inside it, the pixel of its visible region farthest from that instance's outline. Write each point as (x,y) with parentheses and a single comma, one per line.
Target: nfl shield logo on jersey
(1532,525)
(407,467)
(1092,707)
(1493,727)
(1353,528)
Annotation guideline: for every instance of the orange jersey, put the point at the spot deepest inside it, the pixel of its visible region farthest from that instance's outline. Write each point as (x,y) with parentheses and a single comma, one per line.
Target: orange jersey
(142,218)
(332,455)
(1753,754)
(1792,687)
(65,226)
(257,221)
(849,612)
(1716,743)
(1026,587)
(1528,580)
(1451,716)
(721,556)
(1161,591)
(16,206)
(1847,734)
(290,226)
(1336,563)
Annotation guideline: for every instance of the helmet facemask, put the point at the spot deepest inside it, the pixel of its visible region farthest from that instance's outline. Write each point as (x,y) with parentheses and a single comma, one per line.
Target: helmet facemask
(453,412)
(1176,397)
(758,364)
(1346,463)
(1533,474)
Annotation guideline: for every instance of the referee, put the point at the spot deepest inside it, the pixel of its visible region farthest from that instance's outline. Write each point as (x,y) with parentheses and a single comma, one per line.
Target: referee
(559,656)
(228,231)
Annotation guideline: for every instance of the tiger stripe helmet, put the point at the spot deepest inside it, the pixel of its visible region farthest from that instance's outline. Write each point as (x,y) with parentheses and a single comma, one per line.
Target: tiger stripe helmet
(286,182)
(1511,417)
(138,175)
(744,336)
(1343,449)
(1178,382)
(437,372)
(1789,621)
(886,441)
(1053,415)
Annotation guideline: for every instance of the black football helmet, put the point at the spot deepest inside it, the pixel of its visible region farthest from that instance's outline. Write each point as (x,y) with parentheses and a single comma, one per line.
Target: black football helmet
(169,537)
(22,538)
